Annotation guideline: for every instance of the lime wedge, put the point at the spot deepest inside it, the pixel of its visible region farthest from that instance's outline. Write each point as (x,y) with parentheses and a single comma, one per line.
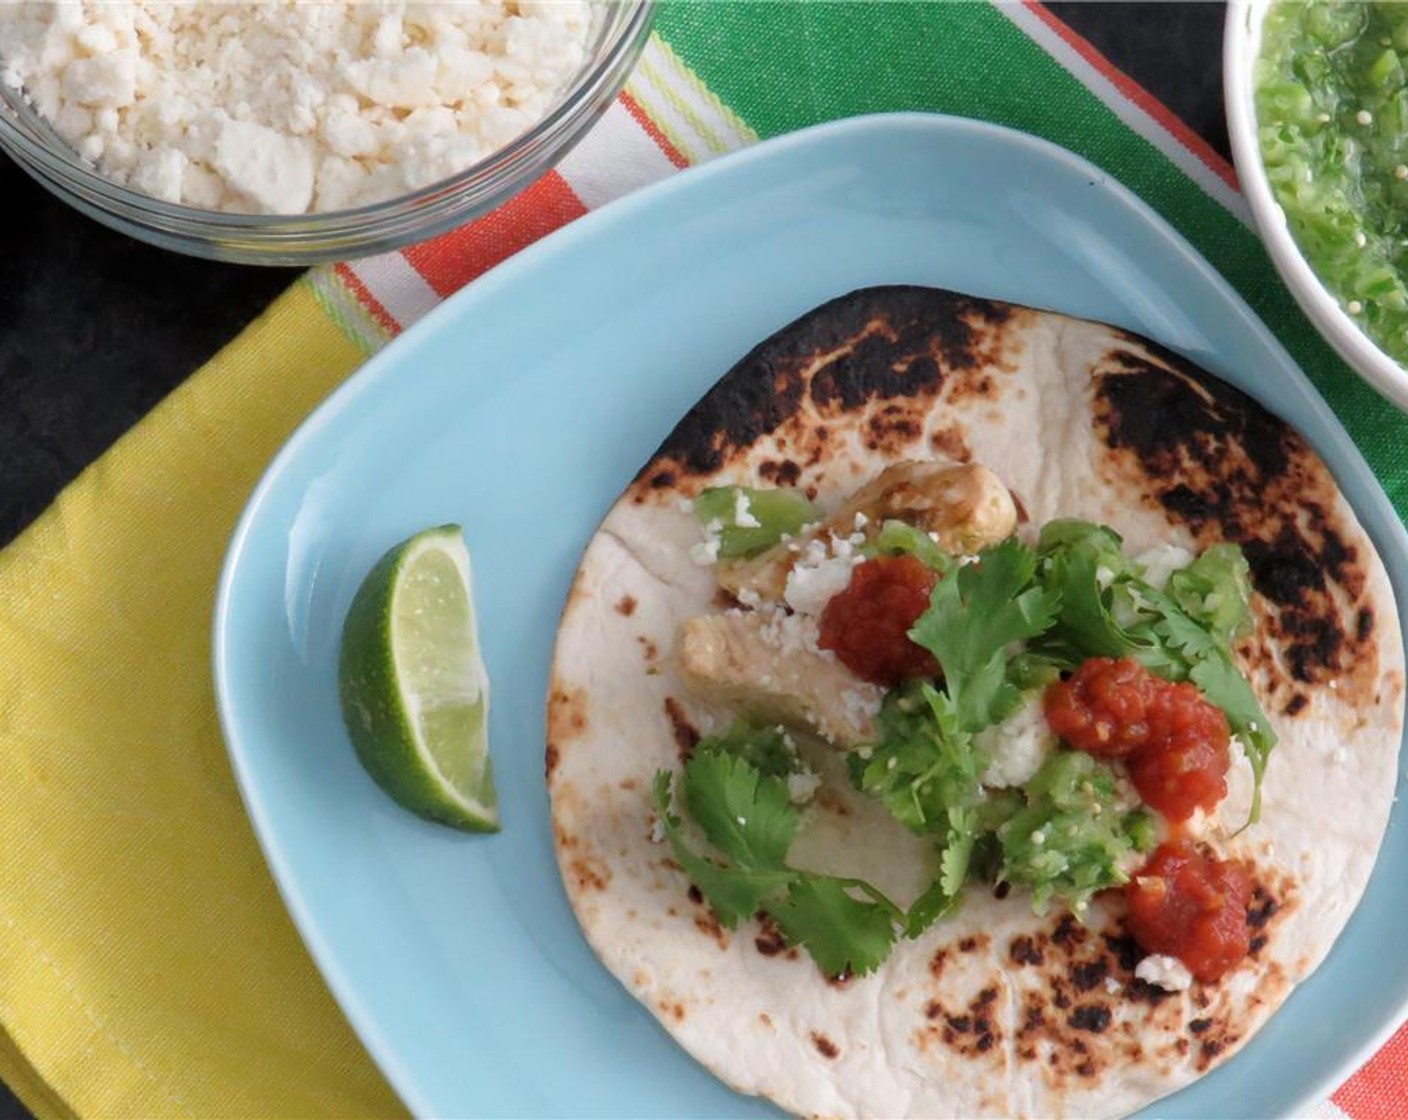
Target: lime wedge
(415,696)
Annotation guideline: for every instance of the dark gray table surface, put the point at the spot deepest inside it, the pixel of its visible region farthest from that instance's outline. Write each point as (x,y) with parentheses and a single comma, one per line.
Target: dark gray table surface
(96,328)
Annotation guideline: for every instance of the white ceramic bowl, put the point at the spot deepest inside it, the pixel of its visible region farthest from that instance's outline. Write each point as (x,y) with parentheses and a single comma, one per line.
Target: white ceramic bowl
(1241,45)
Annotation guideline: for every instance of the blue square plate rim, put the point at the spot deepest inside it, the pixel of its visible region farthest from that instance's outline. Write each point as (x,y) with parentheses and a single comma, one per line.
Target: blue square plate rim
(264,542)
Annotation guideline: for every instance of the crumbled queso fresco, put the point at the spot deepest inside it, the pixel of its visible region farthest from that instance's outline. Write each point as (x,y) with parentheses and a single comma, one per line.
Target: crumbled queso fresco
(287,107)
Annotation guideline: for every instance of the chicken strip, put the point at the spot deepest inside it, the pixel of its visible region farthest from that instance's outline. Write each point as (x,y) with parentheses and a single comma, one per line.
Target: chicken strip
(766,666)
(964,505)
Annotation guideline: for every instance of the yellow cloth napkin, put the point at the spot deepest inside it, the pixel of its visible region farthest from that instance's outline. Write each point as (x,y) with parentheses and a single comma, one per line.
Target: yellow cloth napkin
(119,806)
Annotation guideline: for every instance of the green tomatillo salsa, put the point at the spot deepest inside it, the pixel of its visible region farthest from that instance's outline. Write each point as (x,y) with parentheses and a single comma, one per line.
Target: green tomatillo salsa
(1332,125)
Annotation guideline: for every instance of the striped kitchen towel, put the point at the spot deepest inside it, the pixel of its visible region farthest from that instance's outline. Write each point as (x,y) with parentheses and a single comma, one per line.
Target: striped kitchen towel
(147,967)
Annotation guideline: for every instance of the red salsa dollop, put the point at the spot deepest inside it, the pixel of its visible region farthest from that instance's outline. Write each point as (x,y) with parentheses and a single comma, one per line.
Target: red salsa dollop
(867,624)
(1186,904)
(1174,742)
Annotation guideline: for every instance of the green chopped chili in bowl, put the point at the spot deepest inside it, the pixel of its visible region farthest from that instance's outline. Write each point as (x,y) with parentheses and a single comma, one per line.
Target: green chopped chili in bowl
(1317,100)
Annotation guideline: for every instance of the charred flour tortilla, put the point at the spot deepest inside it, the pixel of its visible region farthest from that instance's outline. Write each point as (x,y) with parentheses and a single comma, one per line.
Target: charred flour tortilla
(996,1011)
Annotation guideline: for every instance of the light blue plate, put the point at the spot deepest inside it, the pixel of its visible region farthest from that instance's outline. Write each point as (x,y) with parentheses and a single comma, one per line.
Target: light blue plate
(520,409)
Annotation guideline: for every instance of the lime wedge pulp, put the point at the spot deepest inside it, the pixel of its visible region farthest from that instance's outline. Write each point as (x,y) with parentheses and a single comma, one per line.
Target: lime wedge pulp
(415,696)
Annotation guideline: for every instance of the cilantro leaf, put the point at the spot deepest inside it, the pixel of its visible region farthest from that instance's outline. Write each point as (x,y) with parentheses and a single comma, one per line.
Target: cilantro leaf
(929,907)
(1215,589)
(924,763)
(769,748)
(973,616)
(844,935)
(1224,686)
(1085,622)
(744,814)
(733,894)
(958,850)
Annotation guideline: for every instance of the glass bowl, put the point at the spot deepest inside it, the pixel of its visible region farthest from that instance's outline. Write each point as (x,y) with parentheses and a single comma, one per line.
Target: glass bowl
(298,239)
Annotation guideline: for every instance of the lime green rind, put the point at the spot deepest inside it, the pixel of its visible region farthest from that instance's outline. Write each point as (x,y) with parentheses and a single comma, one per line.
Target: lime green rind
(383,733)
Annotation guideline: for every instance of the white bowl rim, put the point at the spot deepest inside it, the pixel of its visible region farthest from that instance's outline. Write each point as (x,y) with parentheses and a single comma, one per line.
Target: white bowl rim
(1241,44)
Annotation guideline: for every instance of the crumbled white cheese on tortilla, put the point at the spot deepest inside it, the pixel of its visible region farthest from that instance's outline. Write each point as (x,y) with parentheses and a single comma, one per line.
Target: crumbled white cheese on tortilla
(706,552)
(1162,561)
(743,511)
(1017,746)
(861,707)
(1168,973)
(785,631)
(822,571)
(749,597)
(802,787)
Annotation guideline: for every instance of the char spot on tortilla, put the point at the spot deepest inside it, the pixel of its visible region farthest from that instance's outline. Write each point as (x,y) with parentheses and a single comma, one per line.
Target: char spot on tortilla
(970,1030)
(1296,704)
(1141,991)
(707,923)
(1364,624)
(567,715)
(893,429)
(1090,1017)
(1198,1026)
(825,1047)
(780,472)
(950,442)
(1125,951)
(1090,975)
(626,605)
(862,351)
(550,759)
(590,872)
(937,963)
(770,941)
(1215,460)
(648,648)
(1068,932)
(1208,1051)
(1262,908)
(1023,950)
(685,733)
